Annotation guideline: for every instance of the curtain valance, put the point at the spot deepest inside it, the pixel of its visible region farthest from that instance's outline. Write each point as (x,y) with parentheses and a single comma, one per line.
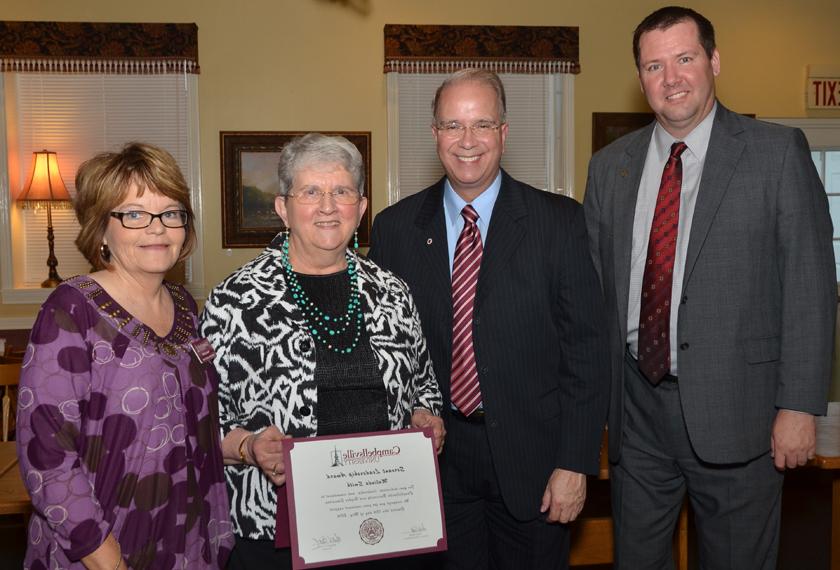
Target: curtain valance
(98,47)
(503,49)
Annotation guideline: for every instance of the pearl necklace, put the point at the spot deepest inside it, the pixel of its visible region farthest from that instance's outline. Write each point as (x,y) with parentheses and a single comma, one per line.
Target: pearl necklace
(327,329)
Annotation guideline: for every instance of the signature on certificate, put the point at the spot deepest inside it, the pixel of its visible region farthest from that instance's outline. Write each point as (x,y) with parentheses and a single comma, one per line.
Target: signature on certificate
(326,541)
(416,531)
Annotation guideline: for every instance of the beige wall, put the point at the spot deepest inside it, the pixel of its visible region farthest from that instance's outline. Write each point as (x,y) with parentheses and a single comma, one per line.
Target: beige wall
(317,65)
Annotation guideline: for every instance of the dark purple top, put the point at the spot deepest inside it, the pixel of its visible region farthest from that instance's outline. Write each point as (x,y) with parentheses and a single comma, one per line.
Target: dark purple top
(118,432)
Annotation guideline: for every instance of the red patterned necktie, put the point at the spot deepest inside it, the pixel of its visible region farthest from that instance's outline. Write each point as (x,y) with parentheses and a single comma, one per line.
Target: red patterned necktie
(655,314)
(464,388)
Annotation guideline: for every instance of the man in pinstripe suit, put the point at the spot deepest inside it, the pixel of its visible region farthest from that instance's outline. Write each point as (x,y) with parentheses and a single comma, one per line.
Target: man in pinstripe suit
(513,470)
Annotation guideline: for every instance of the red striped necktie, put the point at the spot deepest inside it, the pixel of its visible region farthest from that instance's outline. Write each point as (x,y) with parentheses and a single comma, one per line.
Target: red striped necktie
(464,389)
(655,313)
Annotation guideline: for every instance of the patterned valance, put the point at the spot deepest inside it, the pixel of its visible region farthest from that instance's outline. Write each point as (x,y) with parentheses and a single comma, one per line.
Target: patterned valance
(98,47)
(503,49)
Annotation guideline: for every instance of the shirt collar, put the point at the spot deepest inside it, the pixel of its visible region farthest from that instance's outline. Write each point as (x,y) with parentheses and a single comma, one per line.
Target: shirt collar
(483,204)
(697,140)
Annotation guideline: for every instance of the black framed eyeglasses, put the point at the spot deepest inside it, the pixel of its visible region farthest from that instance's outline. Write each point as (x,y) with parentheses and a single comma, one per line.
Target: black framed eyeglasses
(138,219)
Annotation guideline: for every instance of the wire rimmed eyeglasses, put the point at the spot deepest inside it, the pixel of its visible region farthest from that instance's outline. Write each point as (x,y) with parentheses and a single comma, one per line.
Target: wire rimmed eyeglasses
(139,219)
(454,129)
(341,195)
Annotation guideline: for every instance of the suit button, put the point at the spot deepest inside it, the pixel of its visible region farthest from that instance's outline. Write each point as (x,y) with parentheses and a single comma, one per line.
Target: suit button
(484,370)
(493,423)
(305,411)
(684,346)
(684,300)
(305,345)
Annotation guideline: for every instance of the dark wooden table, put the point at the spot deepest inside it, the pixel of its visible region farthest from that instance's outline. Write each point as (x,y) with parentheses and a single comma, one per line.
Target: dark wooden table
(832,464)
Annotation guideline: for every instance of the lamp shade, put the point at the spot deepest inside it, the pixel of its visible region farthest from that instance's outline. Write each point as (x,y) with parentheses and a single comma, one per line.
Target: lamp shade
(45,183)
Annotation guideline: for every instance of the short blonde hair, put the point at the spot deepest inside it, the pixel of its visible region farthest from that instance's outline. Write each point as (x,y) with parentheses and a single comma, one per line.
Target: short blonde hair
(103,182)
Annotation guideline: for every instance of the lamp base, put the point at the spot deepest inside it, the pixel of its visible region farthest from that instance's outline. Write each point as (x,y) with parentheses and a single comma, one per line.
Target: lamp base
(52,279)
(51,283)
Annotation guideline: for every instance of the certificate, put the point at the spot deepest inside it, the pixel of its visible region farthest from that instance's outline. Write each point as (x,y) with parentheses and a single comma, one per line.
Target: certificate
(362,497)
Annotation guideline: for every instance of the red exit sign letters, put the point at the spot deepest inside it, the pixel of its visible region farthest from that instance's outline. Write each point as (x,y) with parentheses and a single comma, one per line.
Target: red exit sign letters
(823,87)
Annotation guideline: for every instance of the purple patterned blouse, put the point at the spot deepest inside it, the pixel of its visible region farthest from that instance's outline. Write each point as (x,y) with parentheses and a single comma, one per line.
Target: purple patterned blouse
(118,432)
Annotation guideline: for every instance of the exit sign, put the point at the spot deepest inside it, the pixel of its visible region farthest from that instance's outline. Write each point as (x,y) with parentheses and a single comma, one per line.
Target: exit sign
(823,87)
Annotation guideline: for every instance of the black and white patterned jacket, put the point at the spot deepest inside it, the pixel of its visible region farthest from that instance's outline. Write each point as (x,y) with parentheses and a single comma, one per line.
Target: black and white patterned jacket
(265,357)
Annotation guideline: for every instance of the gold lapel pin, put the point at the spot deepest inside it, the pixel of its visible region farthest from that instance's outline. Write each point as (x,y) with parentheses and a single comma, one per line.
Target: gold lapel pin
(623,173)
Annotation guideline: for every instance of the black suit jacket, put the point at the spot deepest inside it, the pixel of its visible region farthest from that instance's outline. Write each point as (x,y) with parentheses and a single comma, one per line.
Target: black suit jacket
(538,328)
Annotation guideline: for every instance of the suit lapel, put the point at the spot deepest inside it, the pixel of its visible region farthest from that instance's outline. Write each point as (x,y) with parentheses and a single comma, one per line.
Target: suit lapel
(628,176)
(722,157)
(503,237)
(432,252)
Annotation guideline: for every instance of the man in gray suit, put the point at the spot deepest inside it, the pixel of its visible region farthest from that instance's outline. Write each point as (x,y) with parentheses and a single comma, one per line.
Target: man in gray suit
(711,234)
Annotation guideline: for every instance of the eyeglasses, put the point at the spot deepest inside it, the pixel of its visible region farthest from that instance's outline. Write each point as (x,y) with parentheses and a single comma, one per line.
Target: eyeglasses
(480,129)
(138,219)
(312,195)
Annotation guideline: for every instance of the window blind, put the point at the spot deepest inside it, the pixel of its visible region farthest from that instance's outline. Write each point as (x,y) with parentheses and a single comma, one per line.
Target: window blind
(532,118)
(78,116)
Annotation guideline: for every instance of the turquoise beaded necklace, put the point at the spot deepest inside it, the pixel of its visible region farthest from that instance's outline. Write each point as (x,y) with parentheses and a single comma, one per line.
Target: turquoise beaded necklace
(328,329)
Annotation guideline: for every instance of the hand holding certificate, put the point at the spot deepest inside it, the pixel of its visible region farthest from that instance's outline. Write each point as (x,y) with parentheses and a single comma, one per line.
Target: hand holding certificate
(363,496)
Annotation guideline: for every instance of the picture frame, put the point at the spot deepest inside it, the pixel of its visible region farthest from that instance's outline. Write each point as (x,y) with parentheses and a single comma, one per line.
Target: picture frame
(250,183)
(607,127)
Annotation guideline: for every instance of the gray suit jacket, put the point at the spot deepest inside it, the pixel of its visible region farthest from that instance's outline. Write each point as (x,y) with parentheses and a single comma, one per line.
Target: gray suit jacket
(756,317)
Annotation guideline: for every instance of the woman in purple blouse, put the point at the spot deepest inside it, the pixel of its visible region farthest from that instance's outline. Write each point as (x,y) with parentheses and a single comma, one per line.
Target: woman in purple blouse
(118,433)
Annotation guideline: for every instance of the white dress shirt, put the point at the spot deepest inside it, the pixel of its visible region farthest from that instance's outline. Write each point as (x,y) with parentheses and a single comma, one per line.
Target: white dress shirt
(692,170)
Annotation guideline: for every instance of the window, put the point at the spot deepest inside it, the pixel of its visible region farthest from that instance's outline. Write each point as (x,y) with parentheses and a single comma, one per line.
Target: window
(539,89)
(97,106)
(824,139)
(828,165)
(539,148)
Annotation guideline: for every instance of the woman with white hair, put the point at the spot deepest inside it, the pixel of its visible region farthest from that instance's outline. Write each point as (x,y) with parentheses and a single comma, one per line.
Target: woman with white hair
(311,339)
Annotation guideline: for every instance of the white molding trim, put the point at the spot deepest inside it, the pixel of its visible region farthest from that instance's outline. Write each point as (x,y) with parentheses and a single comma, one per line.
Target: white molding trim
(822,133)
(567,136)
(195,264)
(553,143)
(6,278)
(393,115)
(21,296)
(198,292)
(16,323)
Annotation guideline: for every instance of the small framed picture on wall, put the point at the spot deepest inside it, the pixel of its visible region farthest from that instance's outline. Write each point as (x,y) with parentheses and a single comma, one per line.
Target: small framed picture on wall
(250,184)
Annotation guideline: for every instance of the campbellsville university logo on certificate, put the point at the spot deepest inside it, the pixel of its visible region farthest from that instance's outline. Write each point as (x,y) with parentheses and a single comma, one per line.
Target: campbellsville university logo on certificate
(342,457)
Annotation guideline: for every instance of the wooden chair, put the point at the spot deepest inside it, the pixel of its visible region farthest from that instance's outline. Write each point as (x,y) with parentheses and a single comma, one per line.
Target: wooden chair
(12,354)
(9,379)
(592,537)
(14,499)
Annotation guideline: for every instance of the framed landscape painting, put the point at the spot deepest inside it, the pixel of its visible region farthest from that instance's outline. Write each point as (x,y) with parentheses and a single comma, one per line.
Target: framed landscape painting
(250,183)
